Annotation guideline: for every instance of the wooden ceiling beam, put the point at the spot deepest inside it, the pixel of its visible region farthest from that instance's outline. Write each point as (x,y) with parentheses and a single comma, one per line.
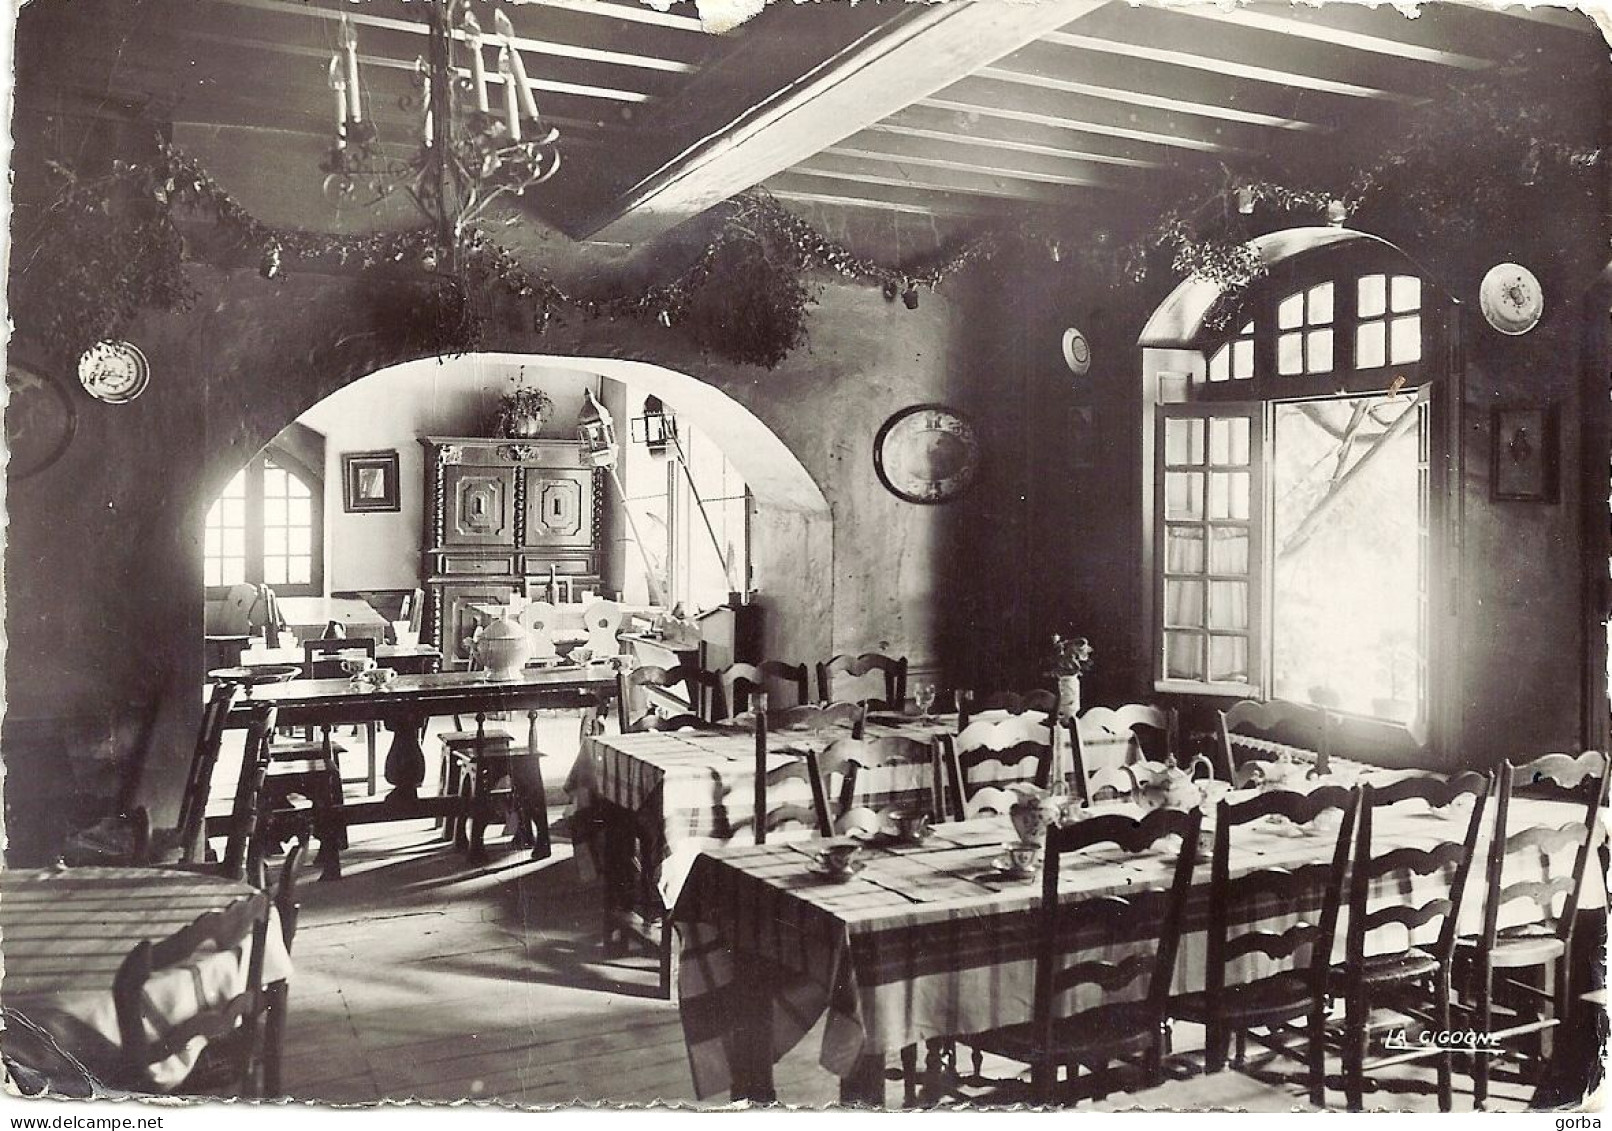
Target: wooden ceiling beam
(905,57)
(1058,170)
(882,171)
(1103,116)
(807,189)
(413,32)
(1186,37)
(1006,72)
(1028,137)
(1381,31)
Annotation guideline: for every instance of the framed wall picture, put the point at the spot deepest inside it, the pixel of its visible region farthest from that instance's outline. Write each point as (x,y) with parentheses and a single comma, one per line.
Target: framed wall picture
(369,481)
(1523,466)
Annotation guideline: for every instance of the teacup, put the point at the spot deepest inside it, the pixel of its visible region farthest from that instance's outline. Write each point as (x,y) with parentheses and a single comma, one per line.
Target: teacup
(1024,856)
(357,665)
(379,678)
(910,827)
(838,855)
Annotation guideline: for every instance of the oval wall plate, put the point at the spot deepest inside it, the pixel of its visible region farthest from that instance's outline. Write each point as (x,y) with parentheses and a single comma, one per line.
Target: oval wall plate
(1076,352)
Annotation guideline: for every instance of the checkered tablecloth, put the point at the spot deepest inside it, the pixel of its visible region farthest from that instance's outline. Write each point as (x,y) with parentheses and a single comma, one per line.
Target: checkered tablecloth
(67,930)
(937,941)
(696,790)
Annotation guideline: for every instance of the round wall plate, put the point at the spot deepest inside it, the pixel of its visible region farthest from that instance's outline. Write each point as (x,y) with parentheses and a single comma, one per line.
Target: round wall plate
(1511,299)
(1076,352)
(114,372)
(926,454)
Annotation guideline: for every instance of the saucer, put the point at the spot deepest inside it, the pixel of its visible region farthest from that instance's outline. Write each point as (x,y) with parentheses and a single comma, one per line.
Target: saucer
(1003,865)
(819,868)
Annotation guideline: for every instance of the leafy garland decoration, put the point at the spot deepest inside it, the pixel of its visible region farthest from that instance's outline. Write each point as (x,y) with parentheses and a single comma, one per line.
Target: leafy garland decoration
(109,247)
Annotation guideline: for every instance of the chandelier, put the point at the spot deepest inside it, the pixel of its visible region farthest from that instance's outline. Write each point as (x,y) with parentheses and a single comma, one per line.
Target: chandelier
(467,158)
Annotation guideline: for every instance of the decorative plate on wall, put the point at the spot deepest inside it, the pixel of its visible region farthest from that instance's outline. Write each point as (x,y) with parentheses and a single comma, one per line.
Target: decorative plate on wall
(926,454)
(1511,298)
(1076,352)
(114,372)
(40,420)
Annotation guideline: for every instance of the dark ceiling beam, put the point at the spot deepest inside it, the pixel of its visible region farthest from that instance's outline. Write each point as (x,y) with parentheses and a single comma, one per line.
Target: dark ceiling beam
(880,171)
(1026,137)
(1103,116)
(906,57)
(1058,170)
(630,11)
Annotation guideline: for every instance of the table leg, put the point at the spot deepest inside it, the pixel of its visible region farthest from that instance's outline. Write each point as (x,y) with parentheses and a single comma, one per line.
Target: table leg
(405,759)
(865,1084)
(750,1055)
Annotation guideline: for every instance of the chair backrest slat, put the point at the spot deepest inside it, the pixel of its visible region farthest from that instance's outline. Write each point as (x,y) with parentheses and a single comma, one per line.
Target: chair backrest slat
(893,668)
(768,812)
(203,761)
(739,684)
(1018,747)
(241,847)
(886,766)
(971,704)
(1104,740)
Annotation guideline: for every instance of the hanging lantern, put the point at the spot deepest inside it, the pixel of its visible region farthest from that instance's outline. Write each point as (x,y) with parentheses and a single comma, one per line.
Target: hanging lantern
(656,427)
(596,429)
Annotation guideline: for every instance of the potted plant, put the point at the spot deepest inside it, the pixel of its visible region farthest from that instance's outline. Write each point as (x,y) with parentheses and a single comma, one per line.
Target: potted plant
(1071,658)
(521,412)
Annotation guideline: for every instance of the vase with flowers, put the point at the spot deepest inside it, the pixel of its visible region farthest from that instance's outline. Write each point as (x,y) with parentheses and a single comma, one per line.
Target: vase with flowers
(1070,659)
(521,412)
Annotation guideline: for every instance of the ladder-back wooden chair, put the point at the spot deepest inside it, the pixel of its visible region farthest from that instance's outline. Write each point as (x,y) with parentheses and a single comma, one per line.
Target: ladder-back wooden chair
(739,683)
(1541,865)
(1103,740)
(989,756)
(973,703)
(1259,978)
(1253,733)
(1405,882)
(1120,1003)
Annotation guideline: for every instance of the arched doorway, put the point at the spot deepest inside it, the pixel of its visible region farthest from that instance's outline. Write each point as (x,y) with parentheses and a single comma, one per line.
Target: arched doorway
(788,544)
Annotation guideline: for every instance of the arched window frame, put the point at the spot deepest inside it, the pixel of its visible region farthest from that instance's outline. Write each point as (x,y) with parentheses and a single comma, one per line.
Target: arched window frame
(310,479)
(1178,383)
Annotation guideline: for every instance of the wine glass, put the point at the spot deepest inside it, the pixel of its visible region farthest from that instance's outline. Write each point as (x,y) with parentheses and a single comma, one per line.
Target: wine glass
(924,696)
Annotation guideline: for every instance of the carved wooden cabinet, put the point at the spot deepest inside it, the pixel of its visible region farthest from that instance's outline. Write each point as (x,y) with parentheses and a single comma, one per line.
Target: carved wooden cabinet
(500,512)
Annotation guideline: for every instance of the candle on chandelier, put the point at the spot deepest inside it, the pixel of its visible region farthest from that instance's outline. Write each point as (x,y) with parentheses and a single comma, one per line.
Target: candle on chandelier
(507,30)
(349,44)
(339,85)
(512,113)
(478,72)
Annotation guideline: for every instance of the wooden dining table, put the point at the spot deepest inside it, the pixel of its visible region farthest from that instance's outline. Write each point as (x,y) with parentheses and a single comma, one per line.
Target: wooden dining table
(407,659)
(409,703)
(686,791)
(937,940)
(65,932)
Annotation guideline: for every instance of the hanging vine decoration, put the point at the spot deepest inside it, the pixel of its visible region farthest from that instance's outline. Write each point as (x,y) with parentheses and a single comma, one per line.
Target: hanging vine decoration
(110,247)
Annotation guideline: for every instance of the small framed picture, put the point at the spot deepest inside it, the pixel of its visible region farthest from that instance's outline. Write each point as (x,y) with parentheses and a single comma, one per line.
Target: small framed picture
(369,481)
(1523,467)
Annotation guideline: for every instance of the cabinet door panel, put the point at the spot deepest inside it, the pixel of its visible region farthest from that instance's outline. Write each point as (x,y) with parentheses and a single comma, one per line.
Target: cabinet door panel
(459,620)
(559,507)
(480,506)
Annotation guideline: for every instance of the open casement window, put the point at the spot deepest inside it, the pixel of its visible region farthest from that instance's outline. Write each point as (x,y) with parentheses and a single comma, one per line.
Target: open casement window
(1297,496)
(1211,578)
